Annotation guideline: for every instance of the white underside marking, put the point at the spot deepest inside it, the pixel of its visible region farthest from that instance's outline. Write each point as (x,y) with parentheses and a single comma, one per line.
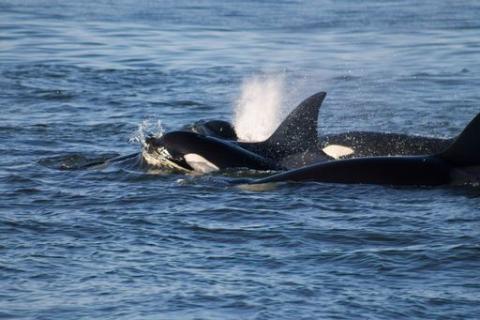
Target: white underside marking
(199,163)
(337,151)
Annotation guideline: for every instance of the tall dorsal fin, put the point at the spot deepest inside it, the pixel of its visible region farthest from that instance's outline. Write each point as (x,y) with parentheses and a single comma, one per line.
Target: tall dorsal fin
(299,130)
(465,150)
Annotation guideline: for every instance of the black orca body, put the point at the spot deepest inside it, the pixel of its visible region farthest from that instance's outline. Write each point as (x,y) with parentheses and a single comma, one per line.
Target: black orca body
(375,144)
(459,163)
(190,149)
(294,144)
(195,152)
(212,128)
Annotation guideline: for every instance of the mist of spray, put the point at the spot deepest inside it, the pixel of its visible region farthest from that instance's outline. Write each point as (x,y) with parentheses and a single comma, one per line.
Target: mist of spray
(258,110)
(265,100)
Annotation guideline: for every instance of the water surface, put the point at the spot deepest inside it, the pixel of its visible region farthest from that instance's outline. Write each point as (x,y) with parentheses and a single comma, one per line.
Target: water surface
(77,80)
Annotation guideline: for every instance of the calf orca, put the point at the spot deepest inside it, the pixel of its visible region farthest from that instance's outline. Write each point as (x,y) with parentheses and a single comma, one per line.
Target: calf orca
(212,145)
(457,164)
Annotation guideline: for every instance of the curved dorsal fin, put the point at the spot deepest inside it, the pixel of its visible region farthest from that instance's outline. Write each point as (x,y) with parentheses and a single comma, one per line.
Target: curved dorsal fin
(465,150)
(299,130)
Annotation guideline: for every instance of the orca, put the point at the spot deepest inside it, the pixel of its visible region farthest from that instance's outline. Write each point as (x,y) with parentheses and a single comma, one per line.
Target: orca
(214,128)
(457,164)
(294,144)
(341,145)
(372,144)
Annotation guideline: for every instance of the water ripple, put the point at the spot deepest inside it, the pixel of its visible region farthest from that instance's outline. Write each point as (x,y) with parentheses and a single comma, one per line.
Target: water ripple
(118,241)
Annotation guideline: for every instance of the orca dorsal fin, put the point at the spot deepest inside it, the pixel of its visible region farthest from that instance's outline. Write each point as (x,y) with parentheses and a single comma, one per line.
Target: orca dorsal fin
(299,130)
(465,149)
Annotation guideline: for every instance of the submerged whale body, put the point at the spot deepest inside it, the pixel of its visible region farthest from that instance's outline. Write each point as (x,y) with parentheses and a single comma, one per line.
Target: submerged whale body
(213,145)
(457,164)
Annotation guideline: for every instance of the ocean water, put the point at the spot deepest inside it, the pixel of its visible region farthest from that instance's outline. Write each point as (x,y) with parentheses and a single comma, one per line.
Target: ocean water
(82,80)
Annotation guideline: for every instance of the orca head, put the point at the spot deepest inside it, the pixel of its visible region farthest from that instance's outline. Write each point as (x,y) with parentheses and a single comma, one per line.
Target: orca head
(159,153)
(214,128)
(186,151)
(169,151)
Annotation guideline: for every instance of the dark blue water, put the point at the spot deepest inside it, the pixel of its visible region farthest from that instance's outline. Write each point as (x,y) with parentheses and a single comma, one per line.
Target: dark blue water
(77,79)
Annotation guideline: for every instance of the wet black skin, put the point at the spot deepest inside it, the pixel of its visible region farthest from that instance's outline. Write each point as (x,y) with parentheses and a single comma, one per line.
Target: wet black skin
(364,143)
(429,171)
(222,153)
(213,128)
(292,155)
(294,144)
(375,144)
(460,159)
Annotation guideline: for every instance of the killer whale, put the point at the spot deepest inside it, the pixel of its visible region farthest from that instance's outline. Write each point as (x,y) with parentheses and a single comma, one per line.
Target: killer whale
(294,144)
(291,145)
(351,144)
(373,144)
(457,164)
(214,128)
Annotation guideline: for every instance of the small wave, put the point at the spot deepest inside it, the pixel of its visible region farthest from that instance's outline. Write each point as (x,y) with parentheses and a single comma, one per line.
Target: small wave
(6,315)
(55,94)
(147,128)
(74,161)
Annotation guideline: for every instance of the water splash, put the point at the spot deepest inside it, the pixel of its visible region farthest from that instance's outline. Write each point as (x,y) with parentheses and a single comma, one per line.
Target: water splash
(147,128)
(265,100)
(258,111)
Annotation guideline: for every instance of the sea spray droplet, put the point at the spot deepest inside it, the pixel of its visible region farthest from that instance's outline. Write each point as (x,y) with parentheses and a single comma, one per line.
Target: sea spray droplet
(147,128)
(259,108)
(265,100)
